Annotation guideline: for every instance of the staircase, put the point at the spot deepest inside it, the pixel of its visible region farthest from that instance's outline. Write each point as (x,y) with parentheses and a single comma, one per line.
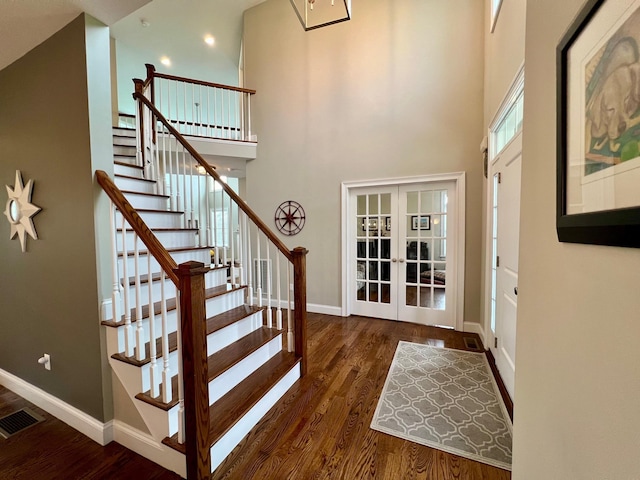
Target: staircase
(248,367)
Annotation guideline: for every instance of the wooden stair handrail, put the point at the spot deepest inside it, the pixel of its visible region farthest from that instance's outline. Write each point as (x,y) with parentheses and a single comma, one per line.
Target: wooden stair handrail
(151,73)
(138,95)
(155,248)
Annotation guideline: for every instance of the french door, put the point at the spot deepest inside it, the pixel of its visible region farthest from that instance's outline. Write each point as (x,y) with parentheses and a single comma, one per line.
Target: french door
(402,258)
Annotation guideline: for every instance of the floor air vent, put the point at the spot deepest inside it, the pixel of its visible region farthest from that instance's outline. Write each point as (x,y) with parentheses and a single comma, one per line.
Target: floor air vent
(17,421)
(471,343)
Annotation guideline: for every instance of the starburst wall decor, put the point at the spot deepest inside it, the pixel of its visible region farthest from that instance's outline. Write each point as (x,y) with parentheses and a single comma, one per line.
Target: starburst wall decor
(20,211)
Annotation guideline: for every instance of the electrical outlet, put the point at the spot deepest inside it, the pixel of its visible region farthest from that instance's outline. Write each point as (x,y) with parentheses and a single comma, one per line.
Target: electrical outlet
(46,361)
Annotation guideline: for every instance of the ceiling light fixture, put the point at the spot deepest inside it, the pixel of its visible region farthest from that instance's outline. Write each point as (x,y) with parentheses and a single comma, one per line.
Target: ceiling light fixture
(209,40)
(321,13)
(166,61)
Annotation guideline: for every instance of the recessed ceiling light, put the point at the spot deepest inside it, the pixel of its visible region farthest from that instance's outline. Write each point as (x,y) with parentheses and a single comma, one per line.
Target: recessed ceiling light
(209,40)
(165,61)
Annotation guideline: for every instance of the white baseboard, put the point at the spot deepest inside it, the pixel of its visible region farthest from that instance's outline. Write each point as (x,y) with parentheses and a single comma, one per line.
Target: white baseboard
(99,432)
(145,445)
(473,327)
(324,309)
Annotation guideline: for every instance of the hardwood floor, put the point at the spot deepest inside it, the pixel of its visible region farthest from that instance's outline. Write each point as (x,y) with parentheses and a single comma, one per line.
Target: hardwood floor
(319,430)
(51,450)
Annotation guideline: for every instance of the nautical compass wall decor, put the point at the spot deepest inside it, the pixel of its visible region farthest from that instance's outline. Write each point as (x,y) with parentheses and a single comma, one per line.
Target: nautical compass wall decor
(20,211)
(290,217)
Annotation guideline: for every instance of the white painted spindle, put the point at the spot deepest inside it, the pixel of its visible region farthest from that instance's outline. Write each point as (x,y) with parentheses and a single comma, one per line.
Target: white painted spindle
(153,370)
(115,292)
(166,374)
(140,353)
(128,340)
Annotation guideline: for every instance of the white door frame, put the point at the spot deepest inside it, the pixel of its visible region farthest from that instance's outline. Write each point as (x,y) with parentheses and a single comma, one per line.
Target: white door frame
(511,96)
(460,180)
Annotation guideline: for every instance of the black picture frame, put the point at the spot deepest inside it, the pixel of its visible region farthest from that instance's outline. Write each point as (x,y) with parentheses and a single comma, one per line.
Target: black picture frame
(425,222)
(614,227)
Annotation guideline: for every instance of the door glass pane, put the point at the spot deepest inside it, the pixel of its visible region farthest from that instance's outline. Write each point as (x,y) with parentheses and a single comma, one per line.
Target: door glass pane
(373,270)
(439,298)
(362,204)
(385,271)
(412,295)
(373,292)
(373,204)
(385,204)
(412,202)
(386,293)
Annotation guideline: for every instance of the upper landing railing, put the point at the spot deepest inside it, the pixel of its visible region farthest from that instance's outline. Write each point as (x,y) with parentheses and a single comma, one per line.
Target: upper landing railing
(201,109)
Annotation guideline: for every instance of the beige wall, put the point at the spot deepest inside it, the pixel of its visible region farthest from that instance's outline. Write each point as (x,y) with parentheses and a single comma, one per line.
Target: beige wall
(394,92)
(577,382)
(49,295)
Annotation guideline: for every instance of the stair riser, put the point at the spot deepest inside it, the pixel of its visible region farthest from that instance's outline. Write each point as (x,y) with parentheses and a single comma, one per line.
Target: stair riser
(125,148)
(220,385)
(226,336)
(124,132)
(147,201)
(232,438)
(157,219)
(201,255)
(134,185)
(172,239)
(129,170)
(223,303)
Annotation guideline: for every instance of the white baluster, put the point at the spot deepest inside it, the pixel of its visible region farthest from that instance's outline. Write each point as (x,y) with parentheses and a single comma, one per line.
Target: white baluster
(279,296)
(249,267)
(225,219)
(232,239)
(208,129)
(269,280)
(154,381)
(207,189)
(215,114)
(192,217)
(290,342)
(115,293)
(184,189)
(201,230)
(249,116)
(140,353)
(258,269)
(128,340)
(229,103)
(166,374)
(215,223)
(242,125)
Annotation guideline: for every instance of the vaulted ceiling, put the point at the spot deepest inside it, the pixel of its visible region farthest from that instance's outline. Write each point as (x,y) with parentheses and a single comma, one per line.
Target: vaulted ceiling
(175,28)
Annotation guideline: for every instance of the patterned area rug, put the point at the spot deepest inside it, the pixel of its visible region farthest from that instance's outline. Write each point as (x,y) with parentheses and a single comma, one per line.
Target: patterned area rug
(445,399)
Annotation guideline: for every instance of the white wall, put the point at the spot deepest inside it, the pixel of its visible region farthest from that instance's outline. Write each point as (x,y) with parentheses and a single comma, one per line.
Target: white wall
(394,92)
(577,381)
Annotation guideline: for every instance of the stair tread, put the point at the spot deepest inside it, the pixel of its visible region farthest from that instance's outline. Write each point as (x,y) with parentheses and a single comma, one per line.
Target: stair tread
(119,175)
(170,250)
(222,320)
(131,192)
(166,229)
(156,277)
(125,164)
(155,210)
(227,411)
(171,304)
(224,359)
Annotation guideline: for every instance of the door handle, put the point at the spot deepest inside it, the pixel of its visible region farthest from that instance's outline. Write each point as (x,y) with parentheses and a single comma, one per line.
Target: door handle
(515,290)
(394,260)
(401,260)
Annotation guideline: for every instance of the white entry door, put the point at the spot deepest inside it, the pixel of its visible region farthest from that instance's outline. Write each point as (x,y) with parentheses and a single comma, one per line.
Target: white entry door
(403,252)
(505,195)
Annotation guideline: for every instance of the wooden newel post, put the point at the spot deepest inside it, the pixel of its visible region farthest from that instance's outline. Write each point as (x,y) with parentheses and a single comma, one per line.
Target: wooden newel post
(139,89)
(300,304)
(194,369)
